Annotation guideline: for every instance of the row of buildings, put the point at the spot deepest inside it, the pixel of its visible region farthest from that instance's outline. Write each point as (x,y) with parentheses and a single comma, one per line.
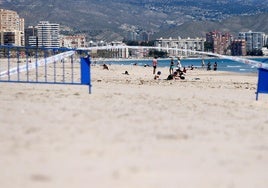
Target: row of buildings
(45,34)
(217,42)
(245,43)
(196,44)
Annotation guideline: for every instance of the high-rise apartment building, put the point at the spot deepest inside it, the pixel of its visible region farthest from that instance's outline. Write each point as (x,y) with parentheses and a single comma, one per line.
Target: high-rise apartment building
(254,40)
(11,28)
(220,42)
(238,47)
(31,36)
(48,35)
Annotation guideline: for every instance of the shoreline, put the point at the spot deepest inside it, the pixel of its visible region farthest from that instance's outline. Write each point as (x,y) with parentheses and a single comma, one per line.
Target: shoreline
(168,58)
(166,68)
(223,64)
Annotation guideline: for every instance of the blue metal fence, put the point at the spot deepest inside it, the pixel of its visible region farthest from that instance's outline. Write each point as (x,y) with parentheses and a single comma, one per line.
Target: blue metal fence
(44,65)
(262,86)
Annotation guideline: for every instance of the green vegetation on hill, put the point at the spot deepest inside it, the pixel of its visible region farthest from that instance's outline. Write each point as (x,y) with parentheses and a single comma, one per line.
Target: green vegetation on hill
(113,19)
(233,25)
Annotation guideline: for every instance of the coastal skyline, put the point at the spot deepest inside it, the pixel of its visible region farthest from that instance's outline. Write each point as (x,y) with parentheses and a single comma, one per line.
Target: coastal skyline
(161,19)
(48,35)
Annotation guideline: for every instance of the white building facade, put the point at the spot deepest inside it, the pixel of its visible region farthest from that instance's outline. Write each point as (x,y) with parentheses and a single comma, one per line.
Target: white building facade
(74,41)
(48,35)
(196,44)
(254,40)
(119,52)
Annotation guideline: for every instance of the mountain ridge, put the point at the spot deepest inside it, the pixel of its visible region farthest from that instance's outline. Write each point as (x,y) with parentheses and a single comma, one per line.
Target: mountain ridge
(112,20)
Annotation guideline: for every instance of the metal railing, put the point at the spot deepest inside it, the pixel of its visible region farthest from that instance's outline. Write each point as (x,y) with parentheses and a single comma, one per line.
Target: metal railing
(44,65)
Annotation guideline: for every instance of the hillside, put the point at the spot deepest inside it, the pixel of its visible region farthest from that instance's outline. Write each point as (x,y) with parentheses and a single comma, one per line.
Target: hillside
(113,19)
(234,25)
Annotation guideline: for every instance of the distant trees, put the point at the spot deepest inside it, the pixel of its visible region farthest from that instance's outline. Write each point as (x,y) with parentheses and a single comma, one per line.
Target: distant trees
(106,53)
(208,46)
(131,43)
(152,53)
(255,52)
(156,53)
(139,43)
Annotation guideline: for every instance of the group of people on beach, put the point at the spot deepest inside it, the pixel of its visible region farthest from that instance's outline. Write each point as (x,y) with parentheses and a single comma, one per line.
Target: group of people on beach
(215,66)
(179,73)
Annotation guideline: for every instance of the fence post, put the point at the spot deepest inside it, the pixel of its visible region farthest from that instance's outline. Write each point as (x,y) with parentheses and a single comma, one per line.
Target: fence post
(85,72)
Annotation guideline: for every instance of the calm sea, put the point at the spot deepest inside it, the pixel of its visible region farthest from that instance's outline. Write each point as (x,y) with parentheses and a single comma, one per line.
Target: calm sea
(223,64)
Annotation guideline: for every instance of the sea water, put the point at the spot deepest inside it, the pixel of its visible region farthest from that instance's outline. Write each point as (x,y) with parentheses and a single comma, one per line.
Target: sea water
(223,64)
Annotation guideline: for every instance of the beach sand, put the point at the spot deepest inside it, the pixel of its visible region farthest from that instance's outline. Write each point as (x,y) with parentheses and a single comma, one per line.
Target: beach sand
(206,131)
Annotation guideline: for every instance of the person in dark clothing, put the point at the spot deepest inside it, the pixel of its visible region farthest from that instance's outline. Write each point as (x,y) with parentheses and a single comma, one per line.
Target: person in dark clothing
(209,66)
(176,75)
(154,64)
(215,66)
(157,76)
(105,67)
(171,67)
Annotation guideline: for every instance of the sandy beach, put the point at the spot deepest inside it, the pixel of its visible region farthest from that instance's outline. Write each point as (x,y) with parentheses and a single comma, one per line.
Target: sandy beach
(206,131)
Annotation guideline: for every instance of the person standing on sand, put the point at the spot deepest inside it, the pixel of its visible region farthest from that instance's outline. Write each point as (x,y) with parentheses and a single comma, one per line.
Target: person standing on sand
(179,63)
(209,66)
(171,67)
(215,66)
(203,63)
(154,64)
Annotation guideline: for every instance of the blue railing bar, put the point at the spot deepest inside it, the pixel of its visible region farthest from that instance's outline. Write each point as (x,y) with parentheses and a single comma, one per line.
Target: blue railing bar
(18,64)
(55,72)
(45,56)
(89,85)
(63,70)
(8,66)
(27,64)
(40,48)
(34,82)
(72,67)
(36,67)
